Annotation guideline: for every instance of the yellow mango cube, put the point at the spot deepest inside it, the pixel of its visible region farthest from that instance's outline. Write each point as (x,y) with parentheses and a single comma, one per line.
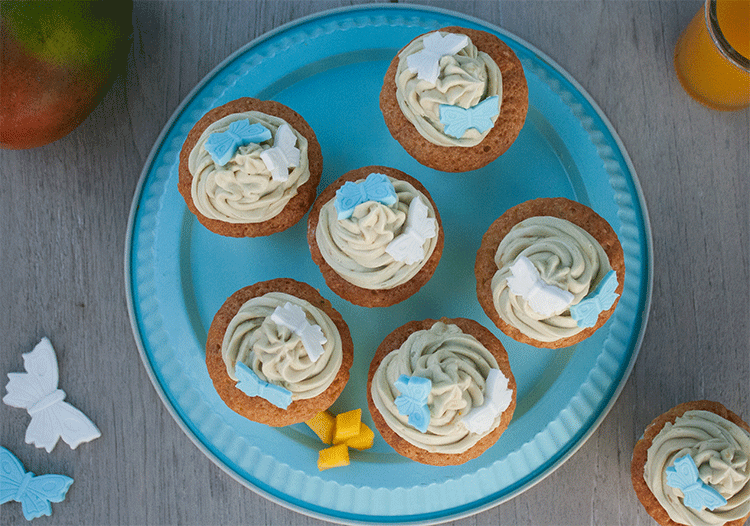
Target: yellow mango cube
(333,457)
(323,425)
(363,440)
(347,426)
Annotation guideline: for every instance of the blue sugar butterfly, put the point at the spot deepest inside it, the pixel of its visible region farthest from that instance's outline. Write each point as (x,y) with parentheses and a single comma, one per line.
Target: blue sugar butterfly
(586,312)
(413,400)
(456,120)
(221,146)
(684,476)
(250,384)
(34,493)
(376,187)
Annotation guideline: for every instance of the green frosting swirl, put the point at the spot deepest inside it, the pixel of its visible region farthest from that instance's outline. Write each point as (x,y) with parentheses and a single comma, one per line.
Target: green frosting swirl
(275,353)
(720,450)
(243,190)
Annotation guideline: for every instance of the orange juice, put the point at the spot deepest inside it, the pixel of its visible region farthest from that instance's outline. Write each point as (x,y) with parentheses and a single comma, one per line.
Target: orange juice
(710,69)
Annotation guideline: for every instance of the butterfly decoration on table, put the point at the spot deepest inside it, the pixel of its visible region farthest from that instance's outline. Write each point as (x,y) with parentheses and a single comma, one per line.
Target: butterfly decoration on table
(544,299)
(35,493)
(36,391)
(408,246)
(456,120)
(222,146)
(427,61)
(375,187)
(412,401)
(294,318)
(497,398)
(283,155)
(586,312)
(251,384)
(683,475)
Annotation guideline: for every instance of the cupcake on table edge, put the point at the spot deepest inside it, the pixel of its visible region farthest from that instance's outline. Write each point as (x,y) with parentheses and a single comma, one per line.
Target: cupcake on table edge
(455,99)
(376,235)
(549,272)
(278,353)
(441,392)
(692,466)
(250,168)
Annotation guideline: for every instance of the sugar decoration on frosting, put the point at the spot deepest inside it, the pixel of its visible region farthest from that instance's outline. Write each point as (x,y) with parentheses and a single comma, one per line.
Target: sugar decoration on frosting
(251,384)
(427,61)
(457,119)
(497,398)
(222,146)
(586,312)
(544,299)
(412,401)
(283,155)
(35,493)
(683,475)
(293,317)
(408,246)
(36,391)
(376,187)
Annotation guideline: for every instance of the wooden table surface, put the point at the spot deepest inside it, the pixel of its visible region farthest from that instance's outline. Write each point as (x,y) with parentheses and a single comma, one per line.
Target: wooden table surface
(64,211)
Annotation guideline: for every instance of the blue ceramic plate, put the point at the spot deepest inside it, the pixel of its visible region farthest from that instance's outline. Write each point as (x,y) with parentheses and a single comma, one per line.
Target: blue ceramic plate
(329,68)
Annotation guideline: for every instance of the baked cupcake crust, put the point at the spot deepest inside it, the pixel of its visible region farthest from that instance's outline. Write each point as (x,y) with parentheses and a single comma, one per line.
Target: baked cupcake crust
(392,342)
(254,407)
(562,208)
(297,205)
(509,122)
(348,291)
(640,455)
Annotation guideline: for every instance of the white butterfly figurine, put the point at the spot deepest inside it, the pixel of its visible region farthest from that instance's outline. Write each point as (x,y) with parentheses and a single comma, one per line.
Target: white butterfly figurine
(497,398)
(427,61)
(698,495)
(408,246)
(282,155)
(294,318)
(36,391)
(544,299)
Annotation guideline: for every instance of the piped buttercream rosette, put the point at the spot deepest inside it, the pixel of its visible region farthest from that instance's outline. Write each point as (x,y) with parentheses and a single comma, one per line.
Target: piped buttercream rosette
(278,353)
(376,235)
(441,392)
(549,272)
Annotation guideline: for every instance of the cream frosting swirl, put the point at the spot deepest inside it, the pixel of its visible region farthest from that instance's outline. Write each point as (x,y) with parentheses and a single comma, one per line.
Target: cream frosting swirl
(457,364)
(275,353)
(465,79)
(565,255)
(355,248)
(243,190)
(720,450)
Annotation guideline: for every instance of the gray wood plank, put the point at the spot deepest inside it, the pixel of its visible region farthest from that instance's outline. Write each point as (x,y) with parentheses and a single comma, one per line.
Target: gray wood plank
(64,209)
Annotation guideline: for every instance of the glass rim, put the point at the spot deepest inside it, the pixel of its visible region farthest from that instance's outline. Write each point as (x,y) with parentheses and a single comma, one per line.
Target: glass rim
(722,44)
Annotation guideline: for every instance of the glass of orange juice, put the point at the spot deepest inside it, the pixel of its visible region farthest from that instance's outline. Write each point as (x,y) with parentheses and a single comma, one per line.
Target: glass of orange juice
(712,56)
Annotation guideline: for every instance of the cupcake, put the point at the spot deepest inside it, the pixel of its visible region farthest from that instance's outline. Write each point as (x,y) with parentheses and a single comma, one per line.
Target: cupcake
(250,168)
(549,272)
(376,235)
(278,353)
(441,392)
(692,466)
(455,98)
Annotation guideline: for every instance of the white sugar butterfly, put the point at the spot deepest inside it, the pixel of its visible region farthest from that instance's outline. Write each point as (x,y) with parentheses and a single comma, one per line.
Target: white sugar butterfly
(283,155)
(408,246)
(36,391)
